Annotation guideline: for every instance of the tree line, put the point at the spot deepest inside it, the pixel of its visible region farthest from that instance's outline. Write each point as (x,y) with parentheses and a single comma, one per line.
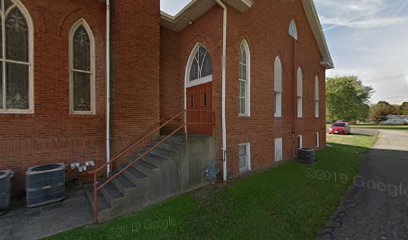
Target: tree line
(349,100)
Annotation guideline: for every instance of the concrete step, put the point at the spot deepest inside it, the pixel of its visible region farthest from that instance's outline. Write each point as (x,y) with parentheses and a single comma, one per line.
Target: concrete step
(136,173)
(112,193)
(102,202)
(146,165)
(163,173)
(172,145)
(124,183)
(163,152)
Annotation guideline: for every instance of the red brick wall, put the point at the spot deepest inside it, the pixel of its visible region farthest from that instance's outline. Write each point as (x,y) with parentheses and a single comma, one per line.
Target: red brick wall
(51,134)
(135,70)
(265,27)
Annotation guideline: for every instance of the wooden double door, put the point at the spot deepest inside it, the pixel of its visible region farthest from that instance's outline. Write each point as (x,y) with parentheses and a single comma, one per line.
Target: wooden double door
(200,116)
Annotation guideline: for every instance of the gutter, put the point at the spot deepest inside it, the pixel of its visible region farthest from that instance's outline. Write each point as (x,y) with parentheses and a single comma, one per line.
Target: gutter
(223,107)
(108,80)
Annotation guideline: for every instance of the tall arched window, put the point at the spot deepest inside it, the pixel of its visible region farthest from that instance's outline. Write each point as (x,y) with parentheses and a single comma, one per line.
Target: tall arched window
(293,30)
(16,59)
(82,72)
(299,93)
(317,97)
(278,87)
(200,66)
(244,80)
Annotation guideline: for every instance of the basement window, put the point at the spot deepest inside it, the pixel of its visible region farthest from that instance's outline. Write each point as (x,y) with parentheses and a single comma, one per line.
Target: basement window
(278,149)
(245,157)
(300,141)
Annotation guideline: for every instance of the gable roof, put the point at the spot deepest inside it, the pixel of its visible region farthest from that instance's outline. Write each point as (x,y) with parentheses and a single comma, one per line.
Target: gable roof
(197,8)
(194,10)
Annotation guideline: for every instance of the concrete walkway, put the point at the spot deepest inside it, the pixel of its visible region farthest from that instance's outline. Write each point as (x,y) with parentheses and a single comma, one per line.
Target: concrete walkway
(45,221)
(376,207)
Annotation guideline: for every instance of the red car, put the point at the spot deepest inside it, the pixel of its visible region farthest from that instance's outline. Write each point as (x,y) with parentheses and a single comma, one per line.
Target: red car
(340,128)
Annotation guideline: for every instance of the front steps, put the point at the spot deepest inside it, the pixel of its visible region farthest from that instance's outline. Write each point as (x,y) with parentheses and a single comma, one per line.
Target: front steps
(173,168)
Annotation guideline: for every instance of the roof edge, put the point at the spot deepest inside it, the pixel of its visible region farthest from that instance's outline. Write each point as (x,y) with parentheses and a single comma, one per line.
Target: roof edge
(194,10)
(314,21)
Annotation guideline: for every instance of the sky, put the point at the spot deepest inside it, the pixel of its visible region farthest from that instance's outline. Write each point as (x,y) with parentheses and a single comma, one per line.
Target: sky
(366,38)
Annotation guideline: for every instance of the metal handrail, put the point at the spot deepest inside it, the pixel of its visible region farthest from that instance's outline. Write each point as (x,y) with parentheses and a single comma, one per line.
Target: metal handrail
(149,133)
(157,127)
(132,145)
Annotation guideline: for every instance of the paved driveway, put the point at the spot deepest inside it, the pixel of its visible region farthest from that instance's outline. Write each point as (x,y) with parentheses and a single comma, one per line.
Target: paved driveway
(376,207)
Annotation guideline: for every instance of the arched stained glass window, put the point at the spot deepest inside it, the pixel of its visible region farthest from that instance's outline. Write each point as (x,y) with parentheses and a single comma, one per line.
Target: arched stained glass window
(201,66)
(278,87)
(16,94)
(299,91)
(317,97)
(244,79)
(82,69)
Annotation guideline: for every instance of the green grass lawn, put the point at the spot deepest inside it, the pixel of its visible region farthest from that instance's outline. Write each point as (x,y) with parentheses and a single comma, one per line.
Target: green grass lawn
(291,201)
(382,127)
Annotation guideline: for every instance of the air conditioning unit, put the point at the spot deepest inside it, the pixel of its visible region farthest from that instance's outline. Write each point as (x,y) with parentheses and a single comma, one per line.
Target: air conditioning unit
(45,184)
(5,189)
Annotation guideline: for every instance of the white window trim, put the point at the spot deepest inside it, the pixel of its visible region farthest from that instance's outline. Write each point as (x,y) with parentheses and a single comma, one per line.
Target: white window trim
(248,157)
(30,64)
(281,146)
(247,113)
(92,71)
(278,79)
(199,81)
(317,140)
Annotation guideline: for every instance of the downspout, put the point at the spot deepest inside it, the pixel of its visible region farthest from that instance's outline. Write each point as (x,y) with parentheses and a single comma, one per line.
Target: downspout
(223,107)
(294,130)
(108,59)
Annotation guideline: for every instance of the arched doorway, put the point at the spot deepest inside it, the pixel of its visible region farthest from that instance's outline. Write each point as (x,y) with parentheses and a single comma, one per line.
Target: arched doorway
(198,91)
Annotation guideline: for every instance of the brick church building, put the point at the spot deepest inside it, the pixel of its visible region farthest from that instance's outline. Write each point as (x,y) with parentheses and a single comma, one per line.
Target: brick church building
(81,79)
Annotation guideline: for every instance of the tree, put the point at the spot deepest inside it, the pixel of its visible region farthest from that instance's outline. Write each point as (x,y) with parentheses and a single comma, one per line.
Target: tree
(381,110)
(347,99)
(404,108)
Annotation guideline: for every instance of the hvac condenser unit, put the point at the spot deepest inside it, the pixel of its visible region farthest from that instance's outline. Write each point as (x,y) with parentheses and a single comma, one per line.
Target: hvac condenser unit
(5,189)
(45,184)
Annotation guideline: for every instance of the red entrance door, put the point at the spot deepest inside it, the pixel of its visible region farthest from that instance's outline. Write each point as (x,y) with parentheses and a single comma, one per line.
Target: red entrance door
(199,101)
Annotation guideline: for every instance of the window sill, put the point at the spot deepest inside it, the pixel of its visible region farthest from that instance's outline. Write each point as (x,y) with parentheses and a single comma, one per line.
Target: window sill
(82,113)
(244,116)
(17,113)
(244,171)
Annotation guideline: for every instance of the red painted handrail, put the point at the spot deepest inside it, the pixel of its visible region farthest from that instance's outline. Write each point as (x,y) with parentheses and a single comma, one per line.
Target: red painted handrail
(157,127)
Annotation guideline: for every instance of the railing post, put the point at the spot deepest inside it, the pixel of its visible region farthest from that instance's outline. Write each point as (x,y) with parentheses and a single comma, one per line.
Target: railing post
(95,198)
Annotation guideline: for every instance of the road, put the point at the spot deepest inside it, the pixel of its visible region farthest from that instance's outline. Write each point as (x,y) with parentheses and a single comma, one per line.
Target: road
(376,207)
